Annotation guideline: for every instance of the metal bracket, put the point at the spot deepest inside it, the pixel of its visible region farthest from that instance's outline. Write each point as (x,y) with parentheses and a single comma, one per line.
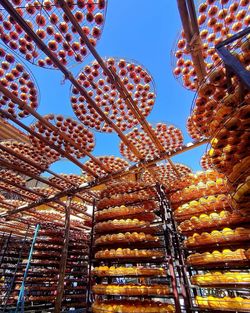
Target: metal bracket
(232,64)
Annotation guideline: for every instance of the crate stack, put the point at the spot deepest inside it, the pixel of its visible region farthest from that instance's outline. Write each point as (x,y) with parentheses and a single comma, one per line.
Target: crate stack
(129,257)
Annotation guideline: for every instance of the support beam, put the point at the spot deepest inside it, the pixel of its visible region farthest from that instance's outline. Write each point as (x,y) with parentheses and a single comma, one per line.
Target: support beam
(232,64)
(63,261)
(86,186)
(23,171)
(24,188)
(4,205)
(76,211)
(11,132)
(26,160)
(15,191)
(40,218)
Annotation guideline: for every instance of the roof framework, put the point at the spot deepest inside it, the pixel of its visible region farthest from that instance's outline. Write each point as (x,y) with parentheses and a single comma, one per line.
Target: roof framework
(61,193)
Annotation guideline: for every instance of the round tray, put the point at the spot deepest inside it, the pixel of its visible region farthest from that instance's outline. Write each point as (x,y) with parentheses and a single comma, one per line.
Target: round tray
(52,26)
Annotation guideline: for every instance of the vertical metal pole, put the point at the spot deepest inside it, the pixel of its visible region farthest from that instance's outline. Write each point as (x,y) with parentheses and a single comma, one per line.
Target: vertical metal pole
(21,292)
(169,245)
(63,261)
(185,285)
(90,259)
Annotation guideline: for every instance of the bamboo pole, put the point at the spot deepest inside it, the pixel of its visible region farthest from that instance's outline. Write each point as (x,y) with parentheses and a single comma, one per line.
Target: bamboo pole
(38,194)
(191,29)
(8,131)
(63,153)
(23,171)
(15,191)
(6,181)
(6,205)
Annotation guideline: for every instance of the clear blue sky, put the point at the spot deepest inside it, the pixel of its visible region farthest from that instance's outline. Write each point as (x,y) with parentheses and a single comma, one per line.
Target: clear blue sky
(143,30)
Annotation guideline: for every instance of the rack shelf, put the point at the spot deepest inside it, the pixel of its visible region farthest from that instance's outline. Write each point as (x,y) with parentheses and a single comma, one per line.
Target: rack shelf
(240,285)
(128,203)
(181,218)
(129,215)
(132,276)
(223,264)
(209,310)
(213,246)
(153,230)
(139,245)
(131,260)
(244,223)
(169,296)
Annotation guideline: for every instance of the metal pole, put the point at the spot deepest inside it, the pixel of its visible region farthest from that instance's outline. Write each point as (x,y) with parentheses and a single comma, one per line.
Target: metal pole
(169,246)
(5,247)
(232,64)
(21,298)
(182,266)
(63,261)
(90,259)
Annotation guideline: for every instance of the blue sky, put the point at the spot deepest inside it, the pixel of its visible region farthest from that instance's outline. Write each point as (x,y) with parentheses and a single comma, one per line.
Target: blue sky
(145,31)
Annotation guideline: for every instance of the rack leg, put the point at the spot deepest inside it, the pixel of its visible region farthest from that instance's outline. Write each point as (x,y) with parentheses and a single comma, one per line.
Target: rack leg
(62,268)
(90,260)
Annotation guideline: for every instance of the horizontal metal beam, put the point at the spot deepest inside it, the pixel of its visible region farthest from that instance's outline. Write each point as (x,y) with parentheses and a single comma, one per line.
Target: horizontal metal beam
(75,211)
(232,63)
(135,168)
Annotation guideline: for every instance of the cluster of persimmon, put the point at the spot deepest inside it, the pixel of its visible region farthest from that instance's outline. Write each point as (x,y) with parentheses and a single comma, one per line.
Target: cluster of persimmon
(66,131)
(217,20)
(17,79)
(169,136)
(164,173)
(52,26)
(112,163)
(29,152)
(99,86)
